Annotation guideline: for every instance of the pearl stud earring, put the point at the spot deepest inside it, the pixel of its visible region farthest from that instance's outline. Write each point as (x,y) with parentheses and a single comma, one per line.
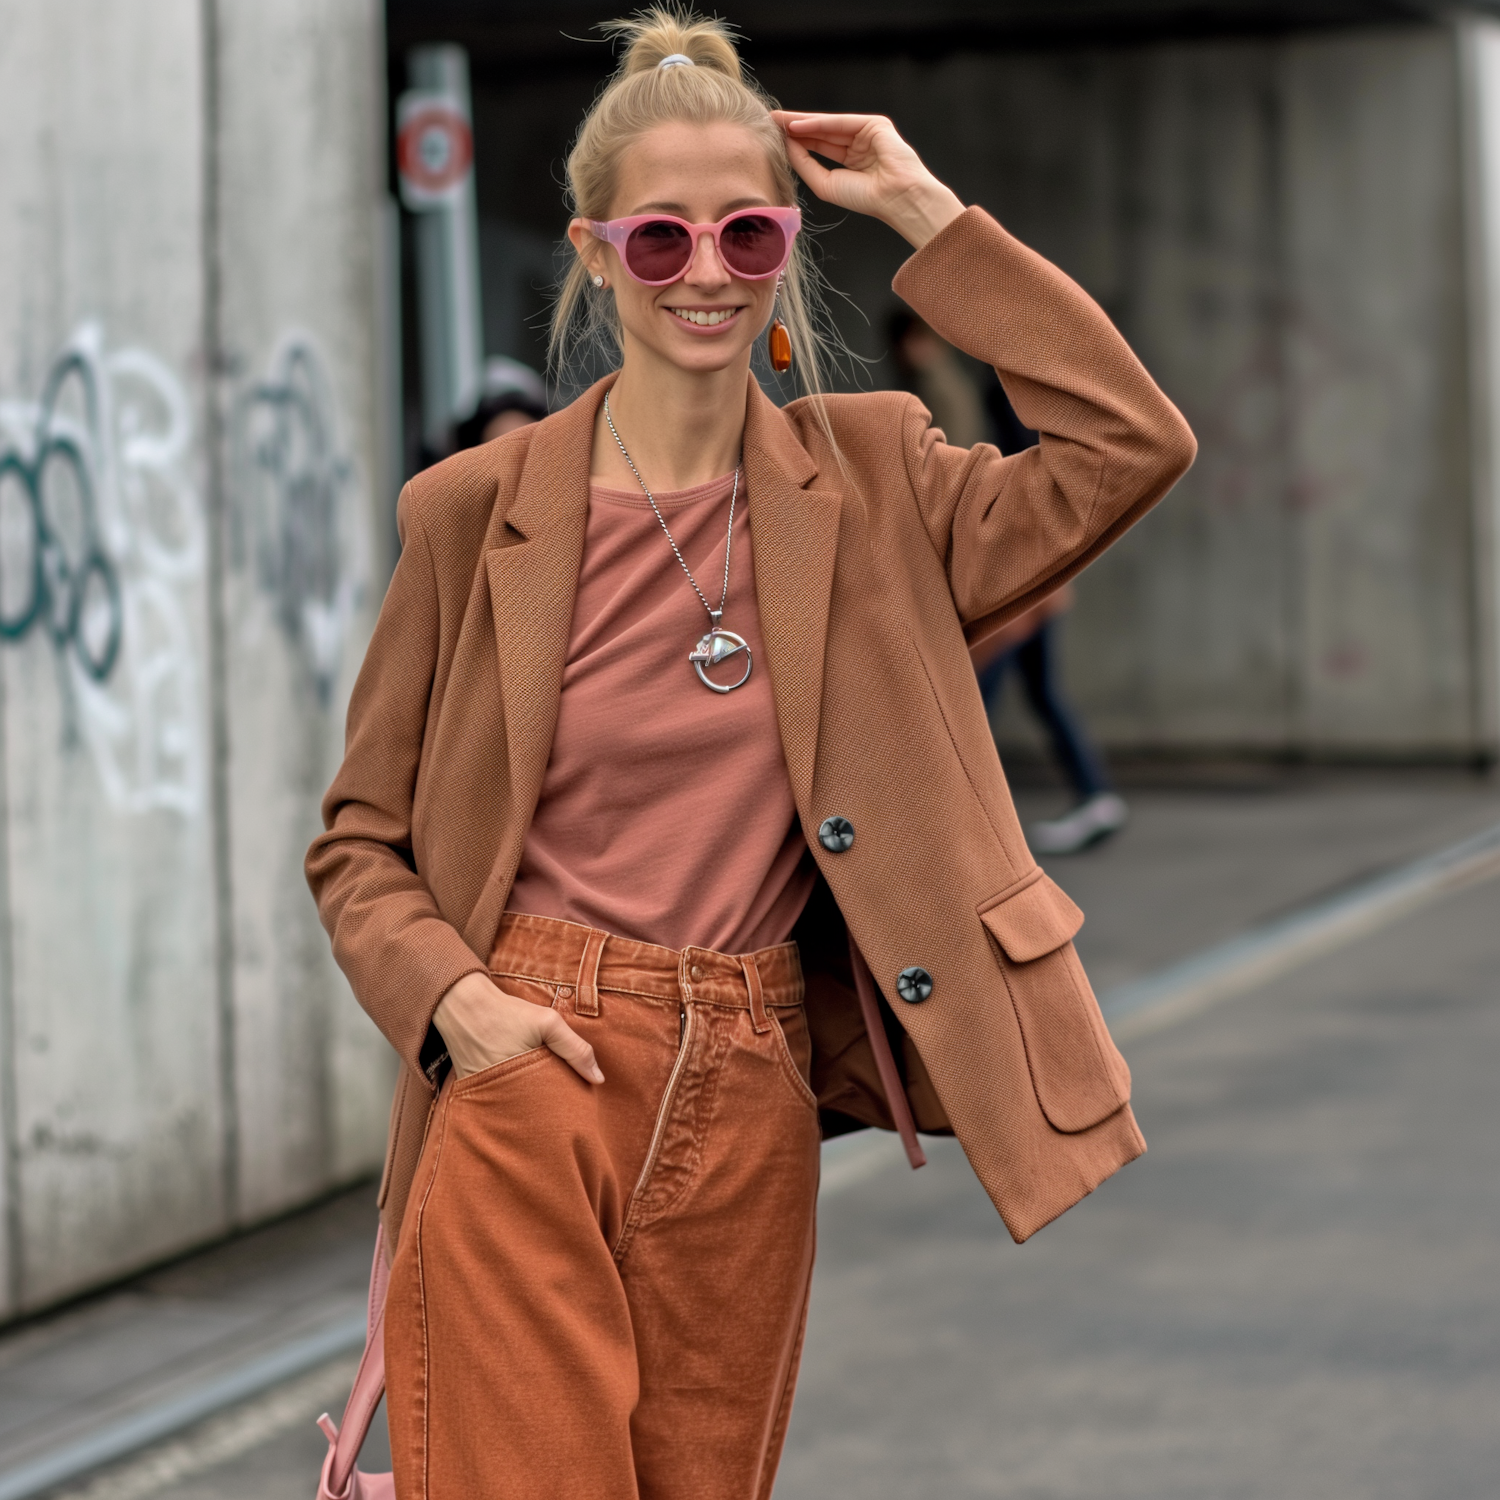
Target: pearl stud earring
(598,281)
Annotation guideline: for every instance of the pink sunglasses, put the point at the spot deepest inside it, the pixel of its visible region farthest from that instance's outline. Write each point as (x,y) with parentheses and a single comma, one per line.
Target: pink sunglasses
(657,249)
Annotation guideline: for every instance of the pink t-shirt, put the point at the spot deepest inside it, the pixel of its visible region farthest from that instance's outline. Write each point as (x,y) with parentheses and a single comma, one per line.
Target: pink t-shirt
(666,814)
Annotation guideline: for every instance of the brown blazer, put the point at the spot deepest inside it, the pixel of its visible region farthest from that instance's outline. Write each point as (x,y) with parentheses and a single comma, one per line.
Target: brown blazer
(876,567)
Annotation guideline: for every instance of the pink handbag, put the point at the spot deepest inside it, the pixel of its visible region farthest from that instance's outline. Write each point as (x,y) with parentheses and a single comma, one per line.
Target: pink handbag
(340,1480)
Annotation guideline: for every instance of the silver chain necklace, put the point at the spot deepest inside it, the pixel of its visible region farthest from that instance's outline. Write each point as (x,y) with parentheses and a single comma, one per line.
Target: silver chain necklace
(718,644)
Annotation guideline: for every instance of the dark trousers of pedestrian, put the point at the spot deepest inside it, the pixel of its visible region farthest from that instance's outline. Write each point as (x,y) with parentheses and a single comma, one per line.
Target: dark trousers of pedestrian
(1036,660)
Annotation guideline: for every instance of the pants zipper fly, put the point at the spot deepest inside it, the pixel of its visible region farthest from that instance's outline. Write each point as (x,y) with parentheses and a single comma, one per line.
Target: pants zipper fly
(684,1026)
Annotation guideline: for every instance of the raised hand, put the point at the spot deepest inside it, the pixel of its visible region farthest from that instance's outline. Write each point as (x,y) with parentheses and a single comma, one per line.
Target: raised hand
(879,174)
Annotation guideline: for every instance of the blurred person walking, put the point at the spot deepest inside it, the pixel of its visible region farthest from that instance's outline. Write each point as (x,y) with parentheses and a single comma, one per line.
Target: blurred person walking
(930,368)
(511,396)
(1028,647)
(568,845)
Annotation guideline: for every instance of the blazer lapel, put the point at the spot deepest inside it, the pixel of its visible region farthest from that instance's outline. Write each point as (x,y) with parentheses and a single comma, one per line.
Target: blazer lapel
(532,559)
(794,531)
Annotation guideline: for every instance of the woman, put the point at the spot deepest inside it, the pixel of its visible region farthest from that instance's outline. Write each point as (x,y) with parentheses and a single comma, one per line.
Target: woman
(667,727)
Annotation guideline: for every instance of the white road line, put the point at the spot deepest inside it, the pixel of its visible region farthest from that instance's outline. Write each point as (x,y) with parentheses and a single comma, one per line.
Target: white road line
(223,1439)
(1265,953)
(127,1434)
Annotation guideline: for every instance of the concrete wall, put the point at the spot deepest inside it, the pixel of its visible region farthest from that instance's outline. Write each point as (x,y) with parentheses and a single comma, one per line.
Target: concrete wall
(1279,227)
(190,396)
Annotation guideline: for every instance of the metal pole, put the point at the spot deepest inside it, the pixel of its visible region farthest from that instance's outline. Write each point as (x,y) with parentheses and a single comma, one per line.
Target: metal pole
(435,153)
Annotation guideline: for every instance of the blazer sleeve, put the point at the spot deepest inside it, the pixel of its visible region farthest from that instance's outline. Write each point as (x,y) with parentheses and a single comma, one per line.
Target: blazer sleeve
(398,951)
(1010,530)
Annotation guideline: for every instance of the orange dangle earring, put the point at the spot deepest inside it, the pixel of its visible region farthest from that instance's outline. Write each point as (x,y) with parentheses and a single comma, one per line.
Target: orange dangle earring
(779,341)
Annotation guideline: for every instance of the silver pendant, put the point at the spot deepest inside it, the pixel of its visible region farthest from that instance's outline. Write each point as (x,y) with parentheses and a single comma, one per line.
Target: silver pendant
(719,645)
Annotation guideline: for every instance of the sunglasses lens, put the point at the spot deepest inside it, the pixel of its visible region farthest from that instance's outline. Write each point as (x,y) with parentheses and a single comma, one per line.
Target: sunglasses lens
(753,245)
(658,251)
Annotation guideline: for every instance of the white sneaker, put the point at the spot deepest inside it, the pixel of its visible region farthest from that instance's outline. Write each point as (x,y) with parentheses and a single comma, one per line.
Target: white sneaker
(1089,823)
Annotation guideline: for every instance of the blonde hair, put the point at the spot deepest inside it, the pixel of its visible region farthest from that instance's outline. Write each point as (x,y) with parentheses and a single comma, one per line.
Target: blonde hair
(642,95)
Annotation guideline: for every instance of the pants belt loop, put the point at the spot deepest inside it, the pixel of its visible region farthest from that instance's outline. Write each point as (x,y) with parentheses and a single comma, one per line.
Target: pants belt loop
(587,1003)
(758,1017)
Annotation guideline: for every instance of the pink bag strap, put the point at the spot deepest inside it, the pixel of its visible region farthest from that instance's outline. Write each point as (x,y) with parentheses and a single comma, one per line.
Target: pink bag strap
(340,1480)
(885,1060)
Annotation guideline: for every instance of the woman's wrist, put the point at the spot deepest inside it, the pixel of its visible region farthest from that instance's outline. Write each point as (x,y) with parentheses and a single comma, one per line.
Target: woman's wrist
(483,1025)
(923,211)
(463,1001)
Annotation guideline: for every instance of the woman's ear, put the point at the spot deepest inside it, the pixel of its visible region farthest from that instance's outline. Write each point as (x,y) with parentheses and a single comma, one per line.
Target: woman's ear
(590,250)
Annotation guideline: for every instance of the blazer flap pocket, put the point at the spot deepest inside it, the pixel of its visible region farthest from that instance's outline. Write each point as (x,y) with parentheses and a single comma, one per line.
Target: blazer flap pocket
(1033,917)
(1078,1074)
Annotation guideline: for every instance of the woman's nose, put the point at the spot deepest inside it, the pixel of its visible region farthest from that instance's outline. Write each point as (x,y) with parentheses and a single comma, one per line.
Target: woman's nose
(707,269)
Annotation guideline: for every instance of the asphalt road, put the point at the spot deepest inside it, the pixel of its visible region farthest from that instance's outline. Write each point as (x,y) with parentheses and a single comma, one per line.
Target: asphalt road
(1292,1296)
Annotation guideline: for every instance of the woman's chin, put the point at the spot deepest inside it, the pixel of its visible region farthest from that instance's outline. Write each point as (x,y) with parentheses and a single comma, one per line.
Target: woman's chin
(700,356)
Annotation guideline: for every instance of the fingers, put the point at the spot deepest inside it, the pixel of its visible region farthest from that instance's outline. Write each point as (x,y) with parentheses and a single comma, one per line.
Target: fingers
(568,1045)
(856,141)
(838,151)
(832,130)
(832,136)
(834,150)
(813,173)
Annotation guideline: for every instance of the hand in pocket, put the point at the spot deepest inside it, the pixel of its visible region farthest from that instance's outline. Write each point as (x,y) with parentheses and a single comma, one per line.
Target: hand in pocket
(482,1025)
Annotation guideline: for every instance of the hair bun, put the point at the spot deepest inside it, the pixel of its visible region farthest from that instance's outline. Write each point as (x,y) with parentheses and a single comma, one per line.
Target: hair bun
(651,36)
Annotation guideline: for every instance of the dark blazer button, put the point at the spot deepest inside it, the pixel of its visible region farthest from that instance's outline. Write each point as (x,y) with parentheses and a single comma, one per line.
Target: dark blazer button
(914,985)
(835,834)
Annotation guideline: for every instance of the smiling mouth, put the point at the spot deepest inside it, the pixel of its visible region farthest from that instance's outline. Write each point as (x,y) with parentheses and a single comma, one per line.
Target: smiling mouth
(702,317)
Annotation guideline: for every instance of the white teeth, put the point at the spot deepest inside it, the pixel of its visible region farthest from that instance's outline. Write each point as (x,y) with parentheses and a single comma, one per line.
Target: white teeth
(704,319)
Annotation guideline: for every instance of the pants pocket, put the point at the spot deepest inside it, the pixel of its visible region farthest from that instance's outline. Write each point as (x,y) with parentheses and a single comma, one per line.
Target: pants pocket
(536,992)
(794,1047)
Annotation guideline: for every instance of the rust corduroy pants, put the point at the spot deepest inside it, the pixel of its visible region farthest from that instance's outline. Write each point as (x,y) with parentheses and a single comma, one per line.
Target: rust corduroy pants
(600,1290)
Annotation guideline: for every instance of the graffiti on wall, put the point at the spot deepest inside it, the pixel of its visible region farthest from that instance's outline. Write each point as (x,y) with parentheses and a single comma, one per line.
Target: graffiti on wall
(74,598)
(298,522)
(102,553)
(103,547)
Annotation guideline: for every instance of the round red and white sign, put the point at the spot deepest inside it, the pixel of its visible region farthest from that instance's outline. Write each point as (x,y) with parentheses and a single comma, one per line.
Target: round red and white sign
(434,149)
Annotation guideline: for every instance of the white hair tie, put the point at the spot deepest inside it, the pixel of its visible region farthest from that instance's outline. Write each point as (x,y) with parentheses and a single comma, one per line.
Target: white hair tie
(677,60)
